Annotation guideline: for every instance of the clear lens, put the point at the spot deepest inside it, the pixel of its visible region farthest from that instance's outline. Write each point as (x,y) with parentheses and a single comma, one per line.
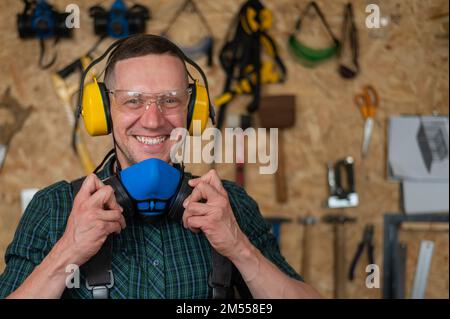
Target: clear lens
(170,102)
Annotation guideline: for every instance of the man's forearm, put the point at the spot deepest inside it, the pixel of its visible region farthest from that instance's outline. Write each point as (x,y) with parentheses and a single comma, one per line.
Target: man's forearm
(48,279)
(264,279)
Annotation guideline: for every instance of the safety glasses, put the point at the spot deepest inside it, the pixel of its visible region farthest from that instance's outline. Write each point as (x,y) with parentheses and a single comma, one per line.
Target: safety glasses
(168,103)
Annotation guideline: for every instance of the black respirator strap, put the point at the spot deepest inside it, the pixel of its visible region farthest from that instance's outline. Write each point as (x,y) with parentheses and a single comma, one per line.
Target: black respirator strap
(99,277)
(220,277)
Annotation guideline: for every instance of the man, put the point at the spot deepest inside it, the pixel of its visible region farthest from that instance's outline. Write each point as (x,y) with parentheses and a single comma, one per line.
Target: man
(168,260)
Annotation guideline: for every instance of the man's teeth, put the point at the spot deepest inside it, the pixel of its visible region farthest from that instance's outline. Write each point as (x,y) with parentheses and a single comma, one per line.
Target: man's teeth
(151,140)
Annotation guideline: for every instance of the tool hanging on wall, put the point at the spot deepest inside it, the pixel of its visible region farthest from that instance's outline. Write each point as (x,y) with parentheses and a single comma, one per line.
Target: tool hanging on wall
(443,27)
(65,91)
(204,46)
(307,223)
(367,102)
(348,69)
(120,21)
(339,241)
(278,111)
(276,223)
(367,240)
(13,117)
(242,58)
(394,254)
(40,20)
(342,195)
(432,139)
(309,56)
(240,122)
(423,269)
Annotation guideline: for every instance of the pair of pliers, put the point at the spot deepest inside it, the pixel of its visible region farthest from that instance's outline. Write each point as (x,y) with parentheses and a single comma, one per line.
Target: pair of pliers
(367,240)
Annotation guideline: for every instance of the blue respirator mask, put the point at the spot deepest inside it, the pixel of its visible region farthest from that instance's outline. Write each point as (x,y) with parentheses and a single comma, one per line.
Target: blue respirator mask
(152,188)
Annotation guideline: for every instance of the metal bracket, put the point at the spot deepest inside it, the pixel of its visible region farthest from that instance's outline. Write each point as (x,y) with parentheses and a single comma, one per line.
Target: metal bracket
(101,291)
(392,223)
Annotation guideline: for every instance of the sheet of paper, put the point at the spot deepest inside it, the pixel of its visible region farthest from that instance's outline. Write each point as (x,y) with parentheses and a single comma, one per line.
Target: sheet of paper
(425,197)
(26,196)
(418,148)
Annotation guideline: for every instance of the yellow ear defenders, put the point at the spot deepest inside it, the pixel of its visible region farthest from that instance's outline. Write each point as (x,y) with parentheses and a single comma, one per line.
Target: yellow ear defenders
(94,104)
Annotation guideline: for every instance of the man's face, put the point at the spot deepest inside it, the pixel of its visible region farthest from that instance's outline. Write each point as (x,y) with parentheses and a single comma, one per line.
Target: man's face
(147,136)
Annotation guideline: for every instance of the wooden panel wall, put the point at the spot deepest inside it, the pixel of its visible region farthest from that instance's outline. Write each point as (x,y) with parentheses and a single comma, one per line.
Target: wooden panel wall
(407,63)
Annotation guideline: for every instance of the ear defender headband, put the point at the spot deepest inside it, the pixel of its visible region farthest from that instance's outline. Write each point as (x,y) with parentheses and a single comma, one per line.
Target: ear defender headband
(94,105)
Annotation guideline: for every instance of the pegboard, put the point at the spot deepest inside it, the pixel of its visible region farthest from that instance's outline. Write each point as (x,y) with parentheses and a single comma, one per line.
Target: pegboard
(407,63)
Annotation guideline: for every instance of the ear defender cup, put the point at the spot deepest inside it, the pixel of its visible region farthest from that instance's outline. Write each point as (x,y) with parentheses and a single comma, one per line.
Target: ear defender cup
(176,208)
(198,108)
(121,194)
(95,109)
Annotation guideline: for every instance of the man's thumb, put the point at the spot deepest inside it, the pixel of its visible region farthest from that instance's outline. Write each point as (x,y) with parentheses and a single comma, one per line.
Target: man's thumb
(90,185)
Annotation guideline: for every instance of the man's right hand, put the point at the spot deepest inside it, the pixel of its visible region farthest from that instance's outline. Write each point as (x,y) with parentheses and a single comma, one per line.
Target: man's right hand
(95,215)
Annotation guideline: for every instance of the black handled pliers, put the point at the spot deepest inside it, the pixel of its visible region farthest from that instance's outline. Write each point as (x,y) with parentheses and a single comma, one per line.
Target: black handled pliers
(367,240)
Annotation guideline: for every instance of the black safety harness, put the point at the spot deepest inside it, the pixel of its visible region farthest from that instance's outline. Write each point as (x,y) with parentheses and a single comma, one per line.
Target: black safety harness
(241,58)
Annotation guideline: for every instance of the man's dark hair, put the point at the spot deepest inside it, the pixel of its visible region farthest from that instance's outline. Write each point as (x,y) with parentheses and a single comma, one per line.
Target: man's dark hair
(140,45)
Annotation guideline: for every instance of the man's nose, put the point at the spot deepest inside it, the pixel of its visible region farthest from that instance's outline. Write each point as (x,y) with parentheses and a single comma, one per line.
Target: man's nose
(152,116)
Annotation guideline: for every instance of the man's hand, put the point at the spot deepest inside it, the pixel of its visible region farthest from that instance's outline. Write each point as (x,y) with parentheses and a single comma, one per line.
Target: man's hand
(95,215)
(213,216)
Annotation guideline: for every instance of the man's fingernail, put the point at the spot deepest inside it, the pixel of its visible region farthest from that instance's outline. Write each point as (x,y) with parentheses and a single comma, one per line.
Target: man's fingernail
(191,181)
(185,203)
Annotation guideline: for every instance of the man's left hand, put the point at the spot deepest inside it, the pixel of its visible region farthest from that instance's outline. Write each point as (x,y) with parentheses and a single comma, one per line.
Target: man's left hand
(208,209)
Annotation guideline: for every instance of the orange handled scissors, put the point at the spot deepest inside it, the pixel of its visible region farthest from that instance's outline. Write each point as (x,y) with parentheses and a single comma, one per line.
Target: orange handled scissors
(367,102)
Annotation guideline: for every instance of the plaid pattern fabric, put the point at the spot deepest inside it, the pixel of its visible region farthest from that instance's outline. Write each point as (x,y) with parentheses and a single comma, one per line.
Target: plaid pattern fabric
(149,261)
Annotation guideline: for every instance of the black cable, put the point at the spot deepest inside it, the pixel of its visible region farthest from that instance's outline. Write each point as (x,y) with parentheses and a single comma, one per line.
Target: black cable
(42,53)
(95,46)
(181,10)
(319,12)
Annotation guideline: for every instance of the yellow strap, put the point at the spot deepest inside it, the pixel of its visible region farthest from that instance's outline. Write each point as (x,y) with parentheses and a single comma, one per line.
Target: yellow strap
(249,23)
(64,94)
(223,99)
(267,45)
(85,61)
(266,18)
(83,153)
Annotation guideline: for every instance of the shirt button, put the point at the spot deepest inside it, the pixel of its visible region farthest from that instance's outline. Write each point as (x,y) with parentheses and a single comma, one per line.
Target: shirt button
(156,262)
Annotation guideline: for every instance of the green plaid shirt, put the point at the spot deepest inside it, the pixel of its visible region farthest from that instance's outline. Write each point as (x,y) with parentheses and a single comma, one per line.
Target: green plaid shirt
(164,261)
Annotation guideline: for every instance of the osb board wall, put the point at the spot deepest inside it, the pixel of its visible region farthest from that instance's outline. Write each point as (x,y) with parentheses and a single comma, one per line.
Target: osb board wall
(407,63)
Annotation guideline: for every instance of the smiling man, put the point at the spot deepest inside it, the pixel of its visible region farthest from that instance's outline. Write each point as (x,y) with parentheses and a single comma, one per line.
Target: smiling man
(147,84)
(145,133)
